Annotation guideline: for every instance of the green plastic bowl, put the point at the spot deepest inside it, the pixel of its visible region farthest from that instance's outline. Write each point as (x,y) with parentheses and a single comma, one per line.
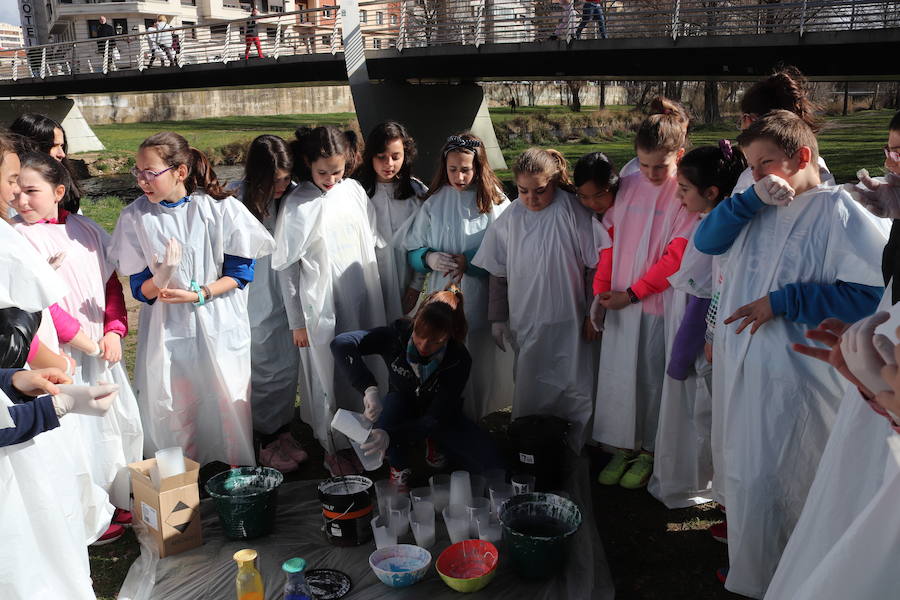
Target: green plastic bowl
(468,566)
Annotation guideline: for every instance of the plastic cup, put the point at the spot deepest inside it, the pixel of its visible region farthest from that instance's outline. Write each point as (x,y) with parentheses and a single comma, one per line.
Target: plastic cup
(440,491)
(352,424)
(421,521)
(382,533)
(369,463)
(522,484)
(489,529)
(170,461)
(477,508)
(420,494)
(384,490)
(460,488)
(500,494)
(398,515)
(479,485)
(456,518)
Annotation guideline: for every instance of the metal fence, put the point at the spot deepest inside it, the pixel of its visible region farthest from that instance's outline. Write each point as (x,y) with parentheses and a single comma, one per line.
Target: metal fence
(407,24)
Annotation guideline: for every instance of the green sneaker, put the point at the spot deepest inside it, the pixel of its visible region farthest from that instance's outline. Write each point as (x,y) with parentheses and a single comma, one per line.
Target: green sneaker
(615,468)
(639,473)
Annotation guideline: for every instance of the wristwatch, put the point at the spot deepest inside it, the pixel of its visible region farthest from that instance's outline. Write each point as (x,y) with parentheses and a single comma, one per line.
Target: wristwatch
(632,296)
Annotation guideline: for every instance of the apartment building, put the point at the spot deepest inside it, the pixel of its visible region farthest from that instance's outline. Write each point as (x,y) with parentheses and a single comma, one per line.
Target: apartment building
(11,36)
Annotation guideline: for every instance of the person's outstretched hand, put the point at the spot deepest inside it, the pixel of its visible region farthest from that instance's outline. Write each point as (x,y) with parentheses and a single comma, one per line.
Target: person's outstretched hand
(880,196)
(39,382)
(92,400)
(165,268)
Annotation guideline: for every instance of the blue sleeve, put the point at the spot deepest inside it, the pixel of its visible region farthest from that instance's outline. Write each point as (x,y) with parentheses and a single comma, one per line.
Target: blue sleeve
(31,418)
(136,281)
(718,230)
(416,260)
(812,303)
(6,385)
(472,270)
(239,268)
(689,340)
(348,349)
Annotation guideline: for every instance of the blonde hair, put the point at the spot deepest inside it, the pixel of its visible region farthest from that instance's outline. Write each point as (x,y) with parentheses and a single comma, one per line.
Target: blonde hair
(665,128)
(550,163)
(162,18)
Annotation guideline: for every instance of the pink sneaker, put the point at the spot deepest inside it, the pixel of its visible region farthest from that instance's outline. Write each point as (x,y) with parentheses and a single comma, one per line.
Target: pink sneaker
(113,533)
(338,465)
(273,456)
(719,532)
(434,458)
(292,448)
(122,517)
(400,479)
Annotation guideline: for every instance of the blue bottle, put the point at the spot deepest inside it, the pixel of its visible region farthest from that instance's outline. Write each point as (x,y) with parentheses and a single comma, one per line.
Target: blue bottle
(296,587)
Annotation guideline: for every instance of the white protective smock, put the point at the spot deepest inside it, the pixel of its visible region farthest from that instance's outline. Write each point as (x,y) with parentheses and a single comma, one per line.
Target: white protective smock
(329,235)
(544,256)
(847,541)
(645,219)
(778,406)
(449,221)
(192,370)
(44,550)
(390,219)
(114,441)
(682,461)
(274,359)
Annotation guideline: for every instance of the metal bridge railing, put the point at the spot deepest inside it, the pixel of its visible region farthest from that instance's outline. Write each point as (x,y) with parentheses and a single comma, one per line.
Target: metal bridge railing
(404,24)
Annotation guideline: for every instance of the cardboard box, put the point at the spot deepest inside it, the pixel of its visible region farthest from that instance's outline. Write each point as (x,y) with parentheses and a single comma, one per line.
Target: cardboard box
(172,513)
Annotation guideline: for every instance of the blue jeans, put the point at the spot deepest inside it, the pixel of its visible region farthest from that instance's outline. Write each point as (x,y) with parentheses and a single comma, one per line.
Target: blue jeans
(592,12)
(465,444)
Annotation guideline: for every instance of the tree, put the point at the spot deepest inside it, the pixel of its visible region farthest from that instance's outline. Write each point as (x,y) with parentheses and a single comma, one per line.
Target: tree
(711,101)
(575,95)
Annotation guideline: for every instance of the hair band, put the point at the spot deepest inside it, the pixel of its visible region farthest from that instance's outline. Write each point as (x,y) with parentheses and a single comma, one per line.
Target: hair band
(455,142)
(726,149)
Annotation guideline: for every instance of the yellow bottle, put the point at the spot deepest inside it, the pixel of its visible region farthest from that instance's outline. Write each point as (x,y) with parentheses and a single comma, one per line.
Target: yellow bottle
(249,582)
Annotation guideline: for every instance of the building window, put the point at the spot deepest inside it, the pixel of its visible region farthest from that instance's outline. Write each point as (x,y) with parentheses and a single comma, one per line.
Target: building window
(148,23)
(379,18)
(363,16)
(376,43)
(193,32)
(276,9)
(326,40)
(393,19)
(392,43)
(327,13)
(119,25)
(189,2)
(218,30)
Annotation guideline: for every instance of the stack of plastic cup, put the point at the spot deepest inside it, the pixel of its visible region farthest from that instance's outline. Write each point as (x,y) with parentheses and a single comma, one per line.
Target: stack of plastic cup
(421,521)
(170,462)
(382,533)
(477,508)
(456,518)
(385,490)
(440,491)
(489,529)
(420,494)
(522,484)
(460,488)
(500,493)
(398,515)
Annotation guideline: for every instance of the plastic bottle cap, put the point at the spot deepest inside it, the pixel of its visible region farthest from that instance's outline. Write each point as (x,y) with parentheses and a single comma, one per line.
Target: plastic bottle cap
(294,565)
(245,556)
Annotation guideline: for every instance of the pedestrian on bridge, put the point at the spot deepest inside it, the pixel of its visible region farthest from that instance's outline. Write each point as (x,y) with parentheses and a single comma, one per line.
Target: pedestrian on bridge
(161,41)
(251,35)
(107,48)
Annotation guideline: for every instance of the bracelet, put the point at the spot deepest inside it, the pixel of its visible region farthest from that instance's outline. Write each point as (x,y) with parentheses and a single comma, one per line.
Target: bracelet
(199,291)
(632,297)
(207,292)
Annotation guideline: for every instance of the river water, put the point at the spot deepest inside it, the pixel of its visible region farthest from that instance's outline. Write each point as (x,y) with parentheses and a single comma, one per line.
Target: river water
(126,188)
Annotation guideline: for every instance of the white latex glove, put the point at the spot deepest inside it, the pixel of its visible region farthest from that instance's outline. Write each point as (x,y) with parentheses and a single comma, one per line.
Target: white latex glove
(598,314)
(501,331)
(860,354)
(372,403)
(93,400)
(880,196)
(165,268)
(774,190)
(440,262)
(56,260)
(377,443)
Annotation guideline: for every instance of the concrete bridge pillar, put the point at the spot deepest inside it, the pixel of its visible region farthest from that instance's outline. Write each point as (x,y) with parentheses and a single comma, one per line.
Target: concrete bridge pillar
(79,135)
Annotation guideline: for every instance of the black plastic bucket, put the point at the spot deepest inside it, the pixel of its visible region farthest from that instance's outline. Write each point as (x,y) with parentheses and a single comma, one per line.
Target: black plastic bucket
(347,509)
(246,499)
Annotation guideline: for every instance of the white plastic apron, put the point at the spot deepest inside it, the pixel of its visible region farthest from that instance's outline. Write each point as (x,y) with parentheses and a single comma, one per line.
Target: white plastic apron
(329,234)
(390,220)
(682,463)
(192,371)
(633,352)
(544,256)
(449,221)
(112,442)
(274,359)
(847,541)
(777,407)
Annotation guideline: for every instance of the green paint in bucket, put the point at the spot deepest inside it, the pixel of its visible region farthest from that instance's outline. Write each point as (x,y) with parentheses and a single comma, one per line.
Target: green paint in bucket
(536,531)
(246,499)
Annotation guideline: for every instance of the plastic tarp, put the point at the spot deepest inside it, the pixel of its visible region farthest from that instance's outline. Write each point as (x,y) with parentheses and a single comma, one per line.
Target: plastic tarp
(207,572)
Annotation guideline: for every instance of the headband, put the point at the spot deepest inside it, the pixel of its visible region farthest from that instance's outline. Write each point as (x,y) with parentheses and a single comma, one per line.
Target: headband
(455,142)
(726,149)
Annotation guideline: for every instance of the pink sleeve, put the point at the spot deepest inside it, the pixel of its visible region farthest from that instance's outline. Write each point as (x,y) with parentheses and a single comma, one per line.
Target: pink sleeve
(66,325)
(656,279)
(603,275)
(115,317)
(33,348)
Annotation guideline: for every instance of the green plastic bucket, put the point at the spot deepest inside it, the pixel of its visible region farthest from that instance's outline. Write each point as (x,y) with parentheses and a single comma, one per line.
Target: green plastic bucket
(536,531)
(246,499)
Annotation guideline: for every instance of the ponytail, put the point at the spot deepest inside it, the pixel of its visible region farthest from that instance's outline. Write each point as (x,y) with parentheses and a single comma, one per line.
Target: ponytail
(174,150)
(719,166)
(665,128)
(549,163)
(442,313)
(785,89)
(202,176)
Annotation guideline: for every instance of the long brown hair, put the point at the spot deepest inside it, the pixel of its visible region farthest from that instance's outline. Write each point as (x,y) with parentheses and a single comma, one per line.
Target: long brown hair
(665,128)
(267,154)
(488,187)
(550,163)
(174,150)
(785,89)
(441,314)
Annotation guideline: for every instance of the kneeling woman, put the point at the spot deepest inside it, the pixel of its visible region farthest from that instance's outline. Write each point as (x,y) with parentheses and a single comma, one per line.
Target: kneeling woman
(429,367)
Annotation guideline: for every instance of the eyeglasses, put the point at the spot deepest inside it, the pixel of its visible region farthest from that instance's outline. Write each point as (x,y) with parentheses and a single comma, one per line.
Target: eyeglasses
(891,154)
(147,174)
